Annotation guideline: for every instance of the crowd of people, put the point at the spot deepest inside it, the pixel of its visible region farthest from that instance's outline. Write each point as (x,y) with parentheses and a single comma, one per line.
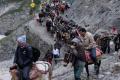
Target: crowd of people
(64,32)
(106,40)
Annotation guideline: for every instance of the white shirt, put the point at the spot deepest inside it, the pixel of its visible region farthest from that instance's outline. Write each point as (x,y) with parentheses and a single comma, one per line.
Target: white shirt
(56,52)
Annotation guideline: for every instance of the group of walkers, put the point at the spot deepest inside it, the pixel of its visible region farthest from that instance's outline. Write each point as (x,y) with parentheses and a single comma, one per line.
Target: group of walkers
(24,55)
(64,32)
(107,39)
(69,33)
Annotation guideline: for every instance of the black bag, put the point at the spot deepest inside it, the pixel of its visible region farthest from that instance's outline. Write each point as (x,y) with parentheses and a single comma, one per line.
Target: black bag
(36,54)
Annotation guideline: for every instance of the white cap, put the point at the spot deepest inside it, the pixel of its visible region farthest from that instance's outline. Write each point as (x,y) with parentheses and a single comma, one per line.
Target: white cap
(22,39)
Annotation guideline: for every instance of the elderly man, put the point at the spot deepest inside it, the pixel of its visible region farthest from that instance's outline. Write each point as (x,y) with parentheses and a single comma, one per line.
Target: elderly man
(23,58)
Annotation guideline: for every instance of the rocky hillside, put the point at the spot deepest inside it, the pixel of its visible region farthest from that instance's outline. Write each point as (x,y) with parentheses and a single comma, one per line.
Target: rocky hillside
(96,14)
(14,16)
(92,14)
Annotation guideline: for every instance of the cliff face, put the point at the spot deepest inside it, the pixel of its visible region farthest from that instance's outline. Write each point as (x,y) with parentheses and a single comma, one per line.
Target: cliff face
(12,15)
(36,41)
(96,14)
(14,18)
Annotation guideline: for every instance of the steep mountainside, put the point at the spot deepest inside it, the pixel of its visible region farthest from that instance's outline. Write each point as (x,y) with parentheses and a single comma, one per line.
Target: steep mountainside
(96,14)
(92,14)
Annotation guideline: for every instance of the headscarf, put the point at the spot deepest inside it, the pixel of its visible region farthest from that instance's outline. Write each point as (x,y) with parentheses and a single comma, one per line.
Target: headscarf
(22,39)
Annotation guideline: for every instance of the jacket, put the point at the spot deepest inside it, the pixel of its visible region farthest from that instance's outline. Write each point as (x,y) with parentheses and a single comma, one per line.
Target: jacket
(23,56)
(88,41)
(79,53)
(117,39)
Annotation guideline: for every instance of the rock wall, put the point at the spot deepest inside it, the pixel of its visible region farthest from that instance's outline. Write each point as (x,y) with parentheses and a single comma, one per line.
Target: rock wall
(13,15)
(95,14)
(12,22)
(8,44)
(37,42)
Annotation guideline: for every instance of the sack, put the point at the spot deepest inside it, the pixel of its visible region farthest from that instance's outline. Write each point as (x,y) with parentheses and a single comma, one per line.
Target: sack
(36,54)
(88,57)
(42,66)
(34,73)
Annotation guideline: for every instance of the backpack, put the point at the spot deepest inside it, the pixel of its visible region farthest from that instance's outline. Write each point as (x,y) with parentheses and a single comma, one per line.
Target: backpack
(36,54)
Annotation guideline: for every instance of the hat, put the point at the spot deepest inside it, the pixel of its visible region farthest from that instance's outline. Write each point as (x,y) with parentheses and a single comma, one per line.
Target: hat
(22,39)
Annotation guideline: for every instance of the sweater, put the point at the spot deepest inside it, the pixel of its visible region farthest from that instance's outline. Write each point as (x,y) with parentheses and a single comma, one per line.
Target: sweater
(88,41)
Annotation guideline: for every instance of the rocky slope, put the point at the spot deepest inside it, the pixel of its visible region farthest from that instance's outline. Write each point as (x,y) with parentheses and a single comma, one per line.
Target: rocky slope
(93,14)
(108,71)
(14,18)
(12,15)
(96,14)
